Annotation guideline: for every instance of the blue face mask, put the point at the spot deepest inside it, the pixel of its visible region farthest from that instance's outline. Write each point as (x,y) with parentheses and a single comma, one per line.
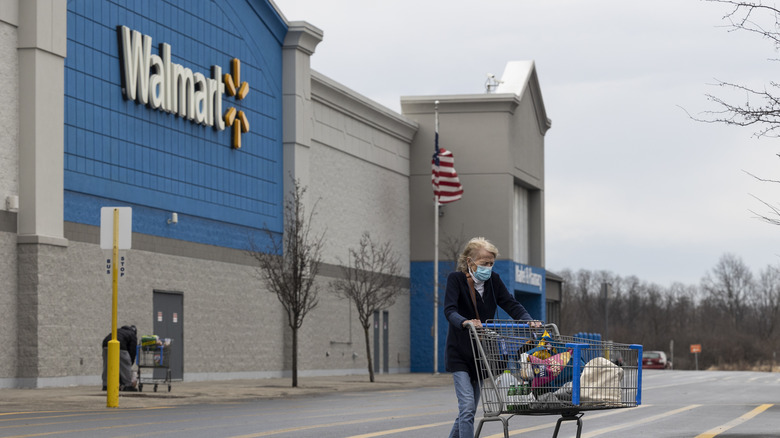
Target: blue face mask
(483,273)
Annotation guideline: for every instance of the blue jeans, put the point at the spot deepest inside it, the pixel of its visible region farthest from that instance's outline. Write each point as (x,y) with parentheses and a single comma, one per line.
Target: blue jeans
(467,391)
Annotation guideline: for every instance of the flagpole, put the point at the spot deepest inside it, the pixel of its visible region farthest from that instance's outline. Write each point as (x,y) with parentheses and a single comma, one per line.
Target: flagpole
(436,257)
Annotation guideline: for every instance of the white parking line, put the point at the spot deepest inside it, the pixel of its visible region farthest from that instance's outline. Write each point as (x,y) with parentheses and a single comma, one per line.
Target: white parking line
(677,384)
(338,423)
(403,429)
(642,421)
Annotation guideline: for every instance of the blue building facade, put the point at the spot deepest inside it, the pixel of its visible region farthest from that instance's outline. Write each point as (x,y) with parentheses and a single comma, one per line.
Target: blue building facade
(121,147)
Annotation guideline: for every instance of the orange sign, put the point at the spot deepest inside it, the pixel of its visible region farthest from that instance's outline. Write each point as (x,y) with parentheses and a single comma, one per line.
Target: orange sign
(695,348)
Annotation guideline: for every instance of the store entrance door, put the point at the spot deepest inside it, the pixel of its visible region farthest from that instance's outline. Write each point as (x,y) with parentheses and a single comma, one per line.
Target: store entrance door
(169,323)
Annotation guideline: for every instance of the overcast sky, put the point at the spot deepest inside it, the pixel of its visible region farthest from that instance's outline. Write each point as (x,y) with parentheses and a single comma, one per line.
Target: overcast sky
(633,185)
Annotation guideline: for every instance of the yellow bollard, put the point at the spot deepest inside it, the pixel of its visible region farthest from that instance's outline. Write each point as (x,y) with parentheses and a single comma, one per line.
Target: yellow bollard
(112,374)
(112,367)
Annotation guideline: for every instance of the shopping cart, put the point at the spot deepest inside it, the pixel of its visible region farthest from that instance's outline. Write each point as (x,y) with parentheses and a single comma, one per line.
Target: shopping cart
(157,358)
(528,370)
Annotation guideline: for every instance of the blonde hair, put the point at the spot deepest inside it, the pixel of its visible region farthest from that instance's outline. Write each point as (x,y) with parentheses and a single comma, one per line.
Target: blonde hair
(472,247)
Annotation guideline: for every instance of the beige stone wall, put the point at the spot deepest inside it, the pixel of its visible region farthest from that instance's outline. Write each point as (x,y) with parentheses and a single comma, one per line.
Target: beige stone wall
(8,303)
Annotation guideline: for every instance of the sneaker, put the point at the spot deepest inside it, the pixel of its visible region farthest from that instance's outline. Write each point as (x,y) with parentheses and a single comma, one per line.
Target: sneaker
(104,388)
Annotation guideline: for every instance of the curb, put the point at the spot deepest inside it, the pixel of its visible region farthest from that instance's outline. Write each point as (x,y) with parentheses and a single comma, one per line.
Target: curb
(209,392)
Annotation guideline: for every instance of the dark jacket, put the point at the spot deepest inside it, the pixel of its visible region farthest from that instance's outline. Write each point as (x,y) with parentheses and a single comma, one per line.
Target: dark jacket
(458,307)
(128,340)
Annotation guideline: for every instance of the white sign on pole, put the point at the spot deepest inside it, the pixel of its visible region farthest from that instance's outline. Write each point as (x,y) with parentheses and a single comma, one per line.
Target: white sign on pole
(107,227)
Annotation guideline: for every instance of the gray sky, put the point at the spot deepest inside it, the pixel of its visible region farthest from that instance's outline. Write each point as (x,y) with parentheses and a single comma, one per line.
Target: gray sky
(633,185)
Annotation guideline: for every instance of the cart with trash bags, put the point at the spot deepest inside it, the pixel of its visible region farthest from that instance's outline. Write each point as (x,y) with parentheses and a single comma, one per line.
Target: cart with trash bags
(154,355)
(530,369)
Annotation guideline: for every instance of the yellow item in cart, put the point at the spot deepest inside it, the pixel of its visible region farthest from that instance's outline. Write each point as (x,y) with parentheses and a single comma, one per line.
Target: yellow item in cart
(147,340)
(543,349)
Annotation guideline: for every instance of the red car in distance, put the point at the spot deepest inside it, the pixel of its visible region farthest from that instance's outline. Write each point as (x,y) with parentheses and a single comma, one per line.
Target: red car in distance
(655,360)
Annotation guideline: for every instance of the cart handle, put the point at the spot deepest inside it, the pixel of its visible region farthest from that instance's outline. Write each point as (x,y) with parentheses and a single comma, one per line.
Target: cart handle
(525,324)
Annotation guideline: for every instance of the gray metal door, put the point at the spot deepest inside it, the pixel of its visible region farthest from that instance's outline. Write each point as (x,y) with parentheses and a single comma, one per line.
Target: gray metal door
(169,323)
(385,342)
(377,366)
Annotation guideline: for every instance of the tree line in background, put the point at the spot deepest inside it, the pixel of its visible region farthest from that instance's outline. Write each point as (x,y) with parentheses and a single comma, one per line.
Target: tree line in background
(733,314)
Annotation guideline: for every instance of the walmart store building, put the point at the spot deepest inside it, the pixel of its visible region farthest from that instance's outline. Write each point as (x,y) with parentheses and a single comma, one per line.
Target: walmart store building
(208,110)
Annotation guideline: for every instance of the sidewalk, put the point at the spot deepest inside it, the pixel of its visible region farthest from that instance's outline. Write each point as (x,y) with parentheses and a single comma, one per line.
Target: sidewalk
(220,391)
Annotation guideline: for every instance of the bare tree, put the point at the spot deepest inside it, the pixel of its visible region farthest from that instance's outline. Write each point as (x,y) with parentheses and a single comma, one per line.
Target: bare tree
(370,282)
(452,246)
(761,108)
(730,286)
(290,263)
(768,301)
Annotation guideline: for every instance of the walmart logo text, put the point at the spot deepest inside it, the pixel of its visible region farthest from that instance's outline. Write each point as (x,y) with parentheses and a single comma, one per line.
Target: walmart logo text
(155,81)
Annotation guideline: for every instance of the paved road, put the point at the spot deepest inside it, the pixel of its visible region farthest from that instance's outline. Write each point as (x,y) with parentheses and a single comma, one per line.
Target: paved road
(700,404)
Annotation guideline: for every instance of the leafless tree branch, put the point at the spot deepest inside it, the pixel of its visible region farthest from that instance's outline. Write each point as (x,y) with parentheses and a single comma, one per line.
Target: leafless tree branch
(370,282)
(289,265)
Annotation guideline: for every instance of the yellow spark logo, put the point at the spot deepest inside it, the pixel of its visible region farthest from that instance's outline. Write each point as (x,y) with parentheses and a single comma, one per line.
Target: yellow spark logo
(234,87)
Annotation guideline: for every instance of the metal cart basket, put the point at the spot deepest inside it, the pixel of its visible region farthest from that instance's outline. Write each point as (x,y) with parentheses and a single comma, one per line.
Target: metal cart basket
(154,357)
(528,370)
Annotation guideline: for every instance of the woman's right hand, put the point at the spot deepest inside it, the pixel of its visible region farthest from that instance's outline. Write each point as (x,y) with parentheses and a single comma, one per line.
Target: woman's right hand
(475,322)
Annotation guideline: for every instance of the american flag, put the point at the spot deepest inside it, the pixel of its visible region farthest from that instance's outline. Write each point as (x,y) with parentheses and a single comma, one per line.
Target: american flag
(446,185)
